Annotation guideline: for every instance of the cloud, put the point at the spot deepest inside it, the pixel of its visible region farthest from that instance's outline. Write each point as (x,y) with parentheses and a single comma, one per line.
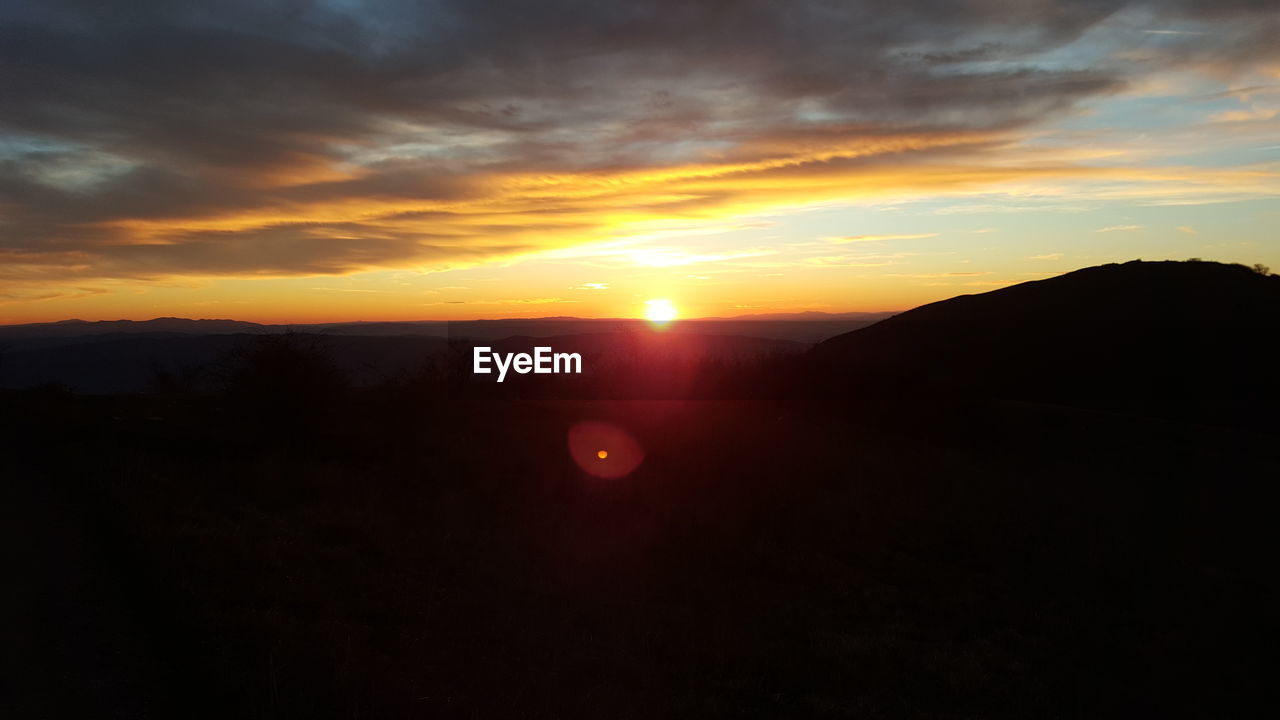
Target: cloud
(349,290)
(323,138)
(1188,230)
(932,276)
(1047,256)
(876,238)
(1119,228)
(533,301)
(1232,116)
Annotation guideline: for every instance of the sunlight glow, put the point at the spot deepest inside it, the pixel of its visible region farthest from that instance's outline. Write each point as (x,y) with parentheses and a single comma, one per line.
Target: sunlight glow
(660,310)
(602,454)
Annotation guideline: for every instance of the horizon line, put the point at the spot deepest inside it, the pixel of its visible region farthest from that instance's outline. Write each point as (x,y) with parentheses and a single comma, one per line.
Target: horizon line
(706,318)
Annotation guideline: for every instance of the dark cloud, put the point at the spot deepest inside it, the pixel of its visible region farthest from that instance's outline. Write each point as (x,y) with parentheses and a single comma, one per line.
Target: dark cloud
(348,112)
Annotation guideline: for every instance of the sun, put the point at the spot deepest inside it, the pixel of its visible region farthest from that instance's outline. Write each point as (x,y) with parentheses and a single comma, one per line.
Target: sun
(660,311)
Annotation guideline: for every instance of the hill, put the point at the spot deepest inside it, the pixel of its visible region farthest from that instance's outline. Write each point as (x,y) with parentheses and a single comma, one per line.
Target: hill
(85,328)
(1187,340)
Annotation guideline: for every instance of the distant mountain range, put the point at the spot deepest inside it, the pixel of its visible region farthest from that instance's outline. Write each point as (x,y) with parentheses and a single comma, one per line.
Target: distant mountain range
(83,328)
(80,328)
(1187,340)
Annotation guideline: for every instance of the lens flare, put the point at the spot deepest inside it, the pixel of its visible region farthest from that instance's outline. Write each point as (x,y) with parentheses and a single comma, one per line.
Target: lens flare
(604,450)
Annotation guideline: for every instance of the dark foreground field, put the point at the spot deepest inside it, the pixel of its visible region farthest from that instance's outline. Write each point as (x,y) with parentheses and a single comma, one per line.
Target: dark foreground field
(1012,505)
(452,561)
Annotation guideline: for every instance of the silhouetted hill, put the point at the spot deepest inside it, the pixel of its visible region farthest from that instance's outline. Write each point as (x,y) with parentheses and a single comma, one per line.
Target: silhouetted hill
(83,328)
(1191,340)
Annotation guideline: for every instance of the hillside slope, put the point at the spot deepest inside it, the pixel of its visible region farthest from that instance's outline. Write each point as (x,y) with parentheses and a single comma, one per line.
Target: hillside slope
(1189,340)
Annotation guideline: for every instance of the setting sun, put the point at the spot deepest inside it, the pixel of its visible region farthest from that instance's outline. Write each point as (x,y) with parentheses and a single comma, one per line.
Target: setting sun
(659,311)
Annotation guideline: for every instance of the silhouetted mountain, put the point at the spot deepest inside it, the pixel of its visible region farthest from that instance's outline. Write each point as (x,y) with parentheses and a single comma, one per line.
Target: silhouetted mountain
(48,333)
(1192,340)
(82,328)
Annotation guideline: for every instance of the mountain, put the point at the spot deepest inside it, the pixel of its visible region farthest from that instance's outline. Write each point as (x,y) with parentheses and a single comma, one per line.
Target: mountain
(82,328)
(1186,340)
(1189,340)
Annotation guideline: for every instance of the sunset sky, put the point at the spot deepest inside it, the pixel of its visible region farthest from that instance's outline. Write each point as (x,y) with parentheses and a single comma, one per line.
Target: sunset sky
(346,160)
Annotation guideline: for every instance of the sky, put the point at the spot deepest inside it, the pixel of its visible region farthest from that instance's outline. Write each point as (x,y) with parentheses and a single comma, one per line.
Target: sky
(459,159)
